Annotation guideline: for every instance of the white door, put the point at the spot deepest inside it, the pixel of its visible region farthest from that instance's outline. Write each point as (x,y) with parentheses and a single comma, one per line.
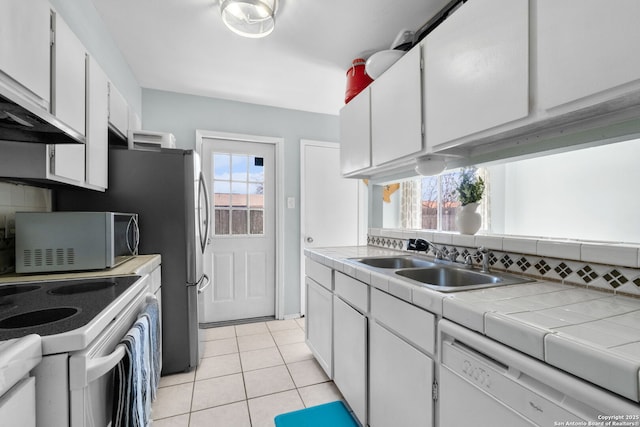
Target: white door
(332,208)
(241,255)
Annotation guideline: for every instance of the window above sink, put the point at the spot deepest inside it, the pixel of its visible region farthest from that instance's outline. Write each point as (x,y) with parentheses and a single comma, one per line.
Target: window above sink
(569,195)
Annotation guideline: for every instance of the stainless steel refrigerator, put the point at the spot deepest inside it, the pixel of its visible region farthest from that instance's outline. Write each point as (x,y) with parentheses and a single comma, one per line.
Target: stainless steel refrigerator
(167,190)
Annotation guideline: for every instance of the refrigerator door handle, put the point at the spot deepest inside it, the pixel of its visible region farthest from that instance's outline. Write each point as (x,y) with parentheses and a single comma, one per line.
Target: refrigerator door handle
(202,189)
(205,279)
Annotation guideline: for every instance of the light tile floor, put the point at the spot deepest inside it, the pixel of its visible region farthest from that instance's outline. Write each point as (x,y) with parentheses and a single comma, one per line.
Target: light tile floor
(249,374)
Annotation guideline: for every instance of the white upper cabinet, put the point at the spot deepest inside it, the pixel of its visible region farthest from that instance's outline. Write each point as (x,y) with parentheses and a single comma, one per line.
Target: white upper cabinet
(587,51)
(477,69)
(396,110)
(69,77)
(355,134)
(135,122)
(118,111)
(25,45)
(97,126)
(67,163)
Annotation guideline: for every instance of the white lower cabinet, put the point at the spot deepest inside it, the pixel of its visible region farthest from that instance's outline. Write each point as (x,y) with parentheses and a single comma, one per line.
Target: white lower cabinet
(319,324)
(350,356)
(378,349)
(18,405)
(400,381)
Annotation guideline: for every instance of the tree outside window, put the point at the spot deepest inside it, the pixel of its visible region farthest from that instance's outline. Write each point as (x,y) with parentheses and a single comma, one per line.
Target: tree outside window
(440,202)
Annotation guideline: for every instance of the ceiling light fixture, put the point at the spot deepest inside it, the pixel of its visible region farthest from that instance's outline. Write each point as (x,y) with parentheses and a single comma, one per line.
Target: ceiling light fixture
(249,18)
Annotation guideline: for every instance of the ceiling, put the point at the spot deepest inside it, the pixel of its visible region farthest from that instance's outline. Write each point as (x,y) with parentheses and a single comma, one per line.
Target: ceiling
(183,46)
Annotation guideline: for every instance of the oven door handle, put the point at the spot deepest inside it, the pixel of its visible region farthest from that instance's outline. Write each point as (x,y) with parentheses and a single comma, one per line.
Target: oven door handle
(101,365)
(91,370)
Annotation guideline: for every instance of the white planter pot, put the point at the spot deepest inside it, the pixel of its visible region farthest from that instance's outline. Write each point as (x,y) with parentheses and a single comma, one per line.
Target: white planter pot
(468,220)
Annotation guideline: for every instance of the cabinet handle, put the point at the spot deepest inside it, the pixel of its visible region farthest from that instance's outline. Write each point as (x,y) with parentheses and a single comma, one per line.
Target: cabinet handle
(309,239)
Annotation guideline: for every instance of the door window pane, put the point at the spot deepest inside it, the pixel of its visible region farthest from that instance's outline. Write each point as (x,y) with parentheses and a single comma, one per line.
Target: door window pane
(221,196)
(256,169)
(239,167)
(256,196)
(256,219)
(221,164)
(221,225)
(238,188)
(239,221)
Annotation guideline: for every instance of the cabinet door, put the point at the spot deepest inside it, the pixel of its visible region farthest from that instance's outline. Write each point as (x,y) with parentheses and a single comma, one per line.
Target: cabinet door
(477,69)
(319,325)
(396,110)
(97,126)
(18,404)
(400,380)
(118,111)
(350,356)
(69,77)
(585,47)
(355,134)
(24,44)
(66,163)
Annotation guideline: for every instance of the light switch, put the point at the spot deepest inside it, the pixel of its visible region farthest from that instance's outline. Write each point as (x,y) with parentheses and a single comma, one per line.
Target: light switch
(291,202)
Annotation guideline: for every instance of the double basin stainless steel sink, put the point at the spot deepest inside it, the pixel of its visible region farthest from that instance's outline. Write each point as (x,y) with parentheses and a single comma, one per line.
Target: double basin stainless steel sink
(439,275)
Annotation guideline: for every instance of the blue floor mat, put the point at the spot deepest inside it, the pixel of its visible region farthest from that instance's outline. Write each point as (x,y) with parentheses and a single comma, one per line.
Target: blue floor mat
(334,414)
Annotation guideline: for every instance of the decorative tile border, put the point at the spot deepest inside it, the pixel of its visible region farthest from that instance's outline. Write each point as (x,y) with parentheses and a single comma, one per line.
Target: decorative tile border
(618,279)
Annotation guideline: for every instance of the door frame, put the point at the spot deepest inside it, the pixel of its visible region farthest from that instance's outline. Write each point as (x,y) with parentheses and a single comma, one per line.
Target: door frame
(279,199)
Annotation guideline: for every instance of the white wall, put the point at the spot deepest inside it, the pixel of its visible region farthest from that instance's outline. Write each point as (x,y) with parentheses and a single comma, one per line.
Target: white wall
(182,114)
(15,198)
(391,211)
(590,194)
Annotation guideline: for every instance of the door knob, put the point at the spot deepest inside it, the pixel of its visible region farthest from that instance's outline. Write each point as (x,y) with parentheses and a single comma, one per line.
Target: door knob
(309,239)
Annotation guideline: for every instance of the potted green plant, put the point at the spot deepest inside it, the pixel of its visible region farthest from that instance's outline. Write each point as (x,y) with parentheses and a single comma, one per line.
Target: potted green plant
(470,187)
(470,190)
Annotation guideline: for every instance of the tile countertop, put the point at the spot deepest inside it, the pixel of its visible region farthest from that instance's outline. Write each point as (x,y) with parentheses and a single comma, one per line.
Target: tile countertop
(140,265)
(591,334)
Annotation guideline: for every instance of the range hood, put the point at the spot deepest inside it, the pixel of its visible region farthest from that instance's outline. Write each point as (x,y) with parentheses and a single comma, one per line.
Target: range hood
(24,120)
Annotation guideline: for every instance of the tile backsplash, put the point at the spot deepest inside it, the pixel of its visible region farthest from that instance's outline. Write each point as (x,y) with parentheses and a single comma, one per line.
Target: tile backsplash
(14,198)
(605,266)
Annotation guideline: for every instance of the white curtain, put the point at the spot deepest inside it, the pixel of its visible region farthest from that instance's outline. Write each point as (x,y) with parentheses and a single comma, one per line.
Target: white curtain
(410,205)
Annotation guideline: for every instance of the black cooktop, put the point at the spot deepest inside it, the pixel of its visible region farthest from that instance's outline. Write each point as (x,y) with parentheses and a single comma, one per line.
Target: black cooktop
(48,308)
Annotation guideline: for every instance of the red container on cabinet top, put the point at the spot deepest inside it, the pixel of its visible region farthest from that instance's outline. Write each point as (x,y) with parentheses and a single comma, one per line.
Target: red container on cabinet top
(357,79)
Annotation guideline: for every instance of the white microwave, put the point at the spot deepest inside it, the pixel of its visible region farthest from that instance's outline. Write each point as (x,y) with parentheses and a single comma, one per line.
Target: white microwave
(70,241)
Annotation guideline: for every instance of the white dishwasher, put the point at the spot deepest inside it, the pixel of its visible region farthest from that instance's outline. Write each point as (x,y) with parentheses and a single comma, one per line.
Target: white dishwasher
(484,383)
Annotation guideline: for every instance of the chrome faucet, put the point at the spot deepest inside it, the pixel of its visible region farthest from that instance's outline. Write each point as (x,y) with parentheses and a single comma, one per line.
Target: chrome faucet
(422,245)
(485,259)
